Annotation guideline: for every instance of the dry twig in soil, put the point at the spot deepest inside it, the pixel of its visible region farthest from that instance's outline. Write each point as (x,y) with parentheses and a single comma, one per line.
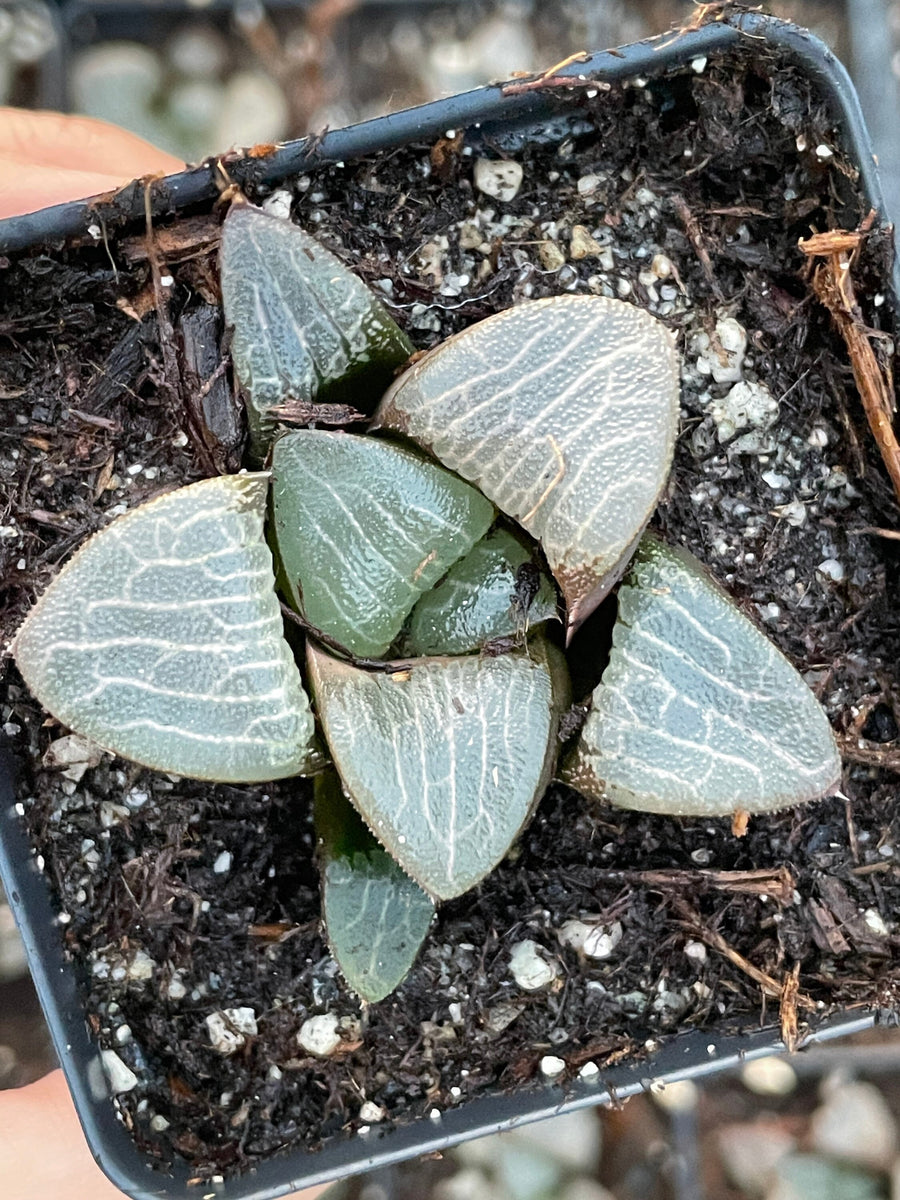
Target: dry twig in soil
(832,282)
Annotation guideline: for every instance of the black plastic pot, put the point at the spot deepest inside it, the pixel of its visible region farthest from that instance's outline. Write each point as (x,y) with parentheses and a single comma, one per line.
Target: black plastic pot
(485,113)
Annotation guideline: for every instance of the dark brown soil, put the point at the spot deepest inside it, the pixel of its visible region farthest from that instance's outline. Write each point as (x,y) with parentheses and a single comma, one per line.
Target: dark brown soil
(721,164)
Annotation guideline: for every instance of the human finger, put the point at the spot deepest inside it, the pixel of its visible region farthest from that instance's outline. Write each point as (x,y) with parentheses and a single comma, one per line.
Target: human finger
(43,1152)
(48,158)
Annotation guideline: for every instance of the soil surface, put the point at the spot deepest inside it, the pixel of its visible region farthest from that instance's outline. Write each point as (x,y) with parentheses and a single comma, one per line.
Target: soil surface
(717,172)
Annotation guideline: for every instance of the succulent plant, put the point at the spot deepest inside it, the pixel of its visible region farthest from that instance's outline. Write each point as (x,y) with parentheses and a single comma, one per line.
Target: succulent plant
(505,484)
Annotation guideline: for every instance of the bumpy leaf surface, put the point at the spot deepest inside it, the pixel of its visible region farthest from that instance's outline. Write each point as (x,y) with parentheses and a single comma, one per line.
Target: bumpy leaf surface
(305,328)
(163,641)
(563,412)
(445,760)
(376,917)
(364,527)
(697,713)
(495,591)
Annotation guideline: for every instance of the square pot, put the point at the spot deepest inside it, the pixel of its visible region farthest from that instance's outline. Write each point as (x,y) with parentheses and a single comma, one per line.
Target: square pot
(672,86)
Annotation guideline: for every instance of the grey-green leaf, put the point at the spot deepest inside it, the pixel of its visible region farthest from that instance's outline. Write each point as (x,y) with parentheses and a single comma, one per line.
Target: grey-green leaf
(444,760)
(697,713)
(162,640)
(562,411)
(376,917)
(305,328)
(364,527)
(495,591)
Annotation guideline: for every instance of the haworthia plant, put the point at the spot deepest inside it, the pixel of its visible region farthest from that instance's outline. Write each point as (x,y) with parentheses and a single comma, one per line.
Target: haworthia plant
(563,412)
(363,528)
(305,328)
(444,760)
(376,917)
(163,641)
(496,591)
(697,713)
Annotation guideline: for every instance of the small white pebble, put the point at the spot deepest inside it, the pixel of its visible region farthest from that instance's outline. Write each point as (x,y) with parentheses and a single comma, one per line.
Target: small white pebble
(159,1124)
(588,184)
(591,938)
(590,1070)
(794,513)
(180,439)
(371,1113)
(176,989)
(230,1028)
(551,1066)
(831,569)
(121,1077)
(141,966)
(320,1035)
(818,437)
(698,65)
(166,280)
(222,863)
(123,1035)
(823,152)
(278,204)
(529,969)
(874,921)
(435,1114)
(775,480)
(696,951)
(499,178)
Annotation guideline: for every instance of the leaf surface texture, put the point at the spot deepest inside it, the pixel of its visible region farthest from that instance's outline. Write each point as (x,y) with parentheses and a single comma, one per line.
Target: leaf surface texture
(305,327)
(376,917)
(162,640)
(563,412)
(698,713)
(485,595)
(364,527)
(445,760)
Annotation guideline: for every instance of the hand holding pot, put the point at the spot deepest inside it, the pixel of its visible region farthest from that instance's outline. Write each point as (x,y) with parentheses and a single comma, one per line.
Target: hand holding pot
(48,158)
(43,1151)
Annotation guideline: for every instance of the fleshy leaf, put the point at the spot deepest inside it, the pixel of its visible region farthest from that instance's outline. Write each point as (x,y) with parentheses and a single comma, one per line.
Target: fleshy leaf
(444,760)
(698,713)
(562,411)
(162,640)
(495,591)
(305,328)
(364,527)
(376,917)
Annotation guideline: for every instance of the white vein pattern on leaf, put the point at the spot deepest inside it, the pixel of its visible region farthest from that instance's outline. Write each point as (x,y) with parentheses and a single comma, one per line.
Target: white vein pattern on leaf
(171,731)
(720,681)
(213,697)
(527,431)
(352,520)
(745,732)
(462,392)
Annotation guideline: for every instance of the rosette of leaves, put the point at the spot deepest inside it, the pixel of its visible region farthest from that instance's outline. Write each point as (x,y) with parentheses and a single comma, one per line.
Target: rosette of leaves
(513,473)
